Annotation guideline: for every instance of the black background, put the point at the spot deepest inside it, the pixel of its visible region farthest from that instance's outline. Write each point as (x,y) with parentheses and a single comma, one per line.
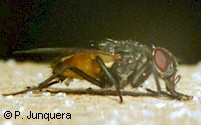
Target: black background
(172,24)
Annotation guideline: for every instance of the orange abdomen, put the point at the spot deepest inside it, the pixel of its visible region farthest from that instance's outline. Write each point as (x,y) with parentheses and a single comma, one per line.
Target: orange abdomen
(86,62)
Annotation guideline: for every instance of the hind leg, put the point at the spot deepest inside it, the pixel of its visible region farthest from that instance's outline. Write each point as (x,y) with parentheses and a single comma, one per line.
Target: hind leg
(48,82)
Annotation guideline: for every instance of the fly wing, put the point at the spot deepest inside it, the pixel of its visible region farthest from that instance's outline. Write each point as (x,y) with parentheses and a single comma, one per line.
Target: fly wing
(50,51)
(54,54)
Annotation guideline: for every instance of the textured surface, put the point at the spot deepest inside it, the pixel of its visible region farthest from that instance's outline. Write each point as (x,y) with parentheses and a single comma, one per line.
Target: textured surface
(88,109)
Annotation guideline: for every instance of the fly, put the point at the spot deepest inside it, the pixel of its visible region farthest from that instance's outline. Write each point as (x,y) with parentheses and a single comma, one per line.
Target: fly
(116,64)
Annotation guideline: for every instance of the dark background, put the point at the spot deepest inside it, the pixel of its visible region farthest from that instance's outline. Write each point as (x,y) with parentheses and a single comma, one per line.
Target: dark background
(172,24)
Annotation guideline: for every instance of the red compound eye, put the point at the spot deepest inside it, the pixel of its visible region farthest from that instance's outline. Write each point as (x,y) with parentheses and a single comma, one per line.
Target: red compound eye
(162,59)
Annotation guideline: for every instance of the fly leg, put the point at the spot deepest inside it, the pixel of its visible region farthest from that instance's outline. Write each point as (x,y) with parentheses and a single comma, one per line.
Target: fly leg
(140,74)
(157,84)
(45,83)
(42,85)
(170,86)
(96,82)
(110,77)
(48,82)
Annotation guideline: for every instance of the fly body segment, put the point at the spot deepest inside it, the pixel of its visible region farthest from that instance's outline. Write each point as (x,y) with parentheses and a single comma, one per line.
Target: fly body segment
(117,64)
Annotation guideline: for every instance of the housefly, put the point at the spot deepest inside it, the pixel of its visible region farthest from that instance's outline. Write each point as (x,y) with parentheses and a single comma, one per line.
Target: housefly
(115,64)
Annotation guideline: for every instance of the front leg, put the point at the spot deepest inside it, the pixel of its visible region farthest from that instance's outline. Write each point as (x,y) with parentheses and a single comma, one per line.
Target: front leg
(157,84)
(170,86)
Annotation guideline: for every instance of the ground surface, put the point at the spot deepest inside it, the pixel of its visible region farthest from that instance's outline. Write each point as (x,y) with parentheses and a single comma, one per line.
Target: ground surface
(88,109)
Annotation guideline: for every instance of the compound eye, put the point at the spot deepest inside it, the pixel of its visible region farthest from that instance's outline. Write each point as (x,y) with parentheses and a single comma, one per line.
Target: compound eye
(162,59)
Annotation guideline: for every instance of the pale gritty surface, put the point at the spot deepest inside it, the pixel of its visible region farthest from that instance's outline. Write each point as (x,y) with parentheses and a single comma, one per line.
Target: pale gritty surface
(88,109)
